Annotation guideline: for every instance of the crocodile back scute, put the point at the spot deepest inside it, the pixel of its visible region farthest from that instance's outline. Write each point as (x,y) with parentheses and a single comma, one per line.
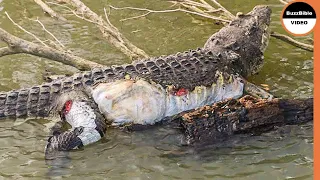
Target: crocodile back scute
(183,70)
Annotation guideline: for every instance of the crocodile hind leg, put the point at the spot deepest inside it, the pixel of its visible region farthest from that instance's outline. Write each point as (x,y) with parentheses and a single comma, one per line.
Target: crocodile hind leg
(88,126)
(256,91)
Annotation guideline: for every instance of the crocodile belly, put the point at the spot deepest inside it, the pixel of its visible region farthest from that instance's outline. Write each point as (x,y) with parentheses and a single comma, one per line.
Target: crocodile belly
(128,101)
(202,95)
(141,102)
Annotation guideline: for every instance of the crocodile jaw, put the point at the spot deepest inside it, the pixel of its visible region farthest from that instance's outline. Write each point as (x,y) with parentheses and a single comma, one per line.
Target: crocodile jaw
(139,102)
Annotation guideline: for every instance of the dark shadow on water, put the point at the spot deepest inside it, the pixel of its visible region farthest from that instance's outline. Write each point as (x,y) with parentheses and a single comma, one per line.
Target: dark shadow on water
(242,144)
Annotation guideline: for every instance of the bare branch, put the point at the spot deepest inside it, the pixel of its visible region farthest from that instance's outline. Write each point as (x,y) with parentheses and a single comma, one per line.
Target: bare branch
(206,4)
(20,27)
(17,45)
(204,7)
(48,10)
(136,17)
(194,8)
(44,28)
(224,9)
(208,8)
(107,18)
(73,12)
(203,4)
(285,1)
(293,42)
(193,3)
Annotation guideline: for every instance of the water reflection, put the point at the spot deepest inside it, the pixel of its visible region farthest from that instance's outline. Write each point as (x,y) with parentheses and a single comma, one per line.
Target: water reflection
(59,166)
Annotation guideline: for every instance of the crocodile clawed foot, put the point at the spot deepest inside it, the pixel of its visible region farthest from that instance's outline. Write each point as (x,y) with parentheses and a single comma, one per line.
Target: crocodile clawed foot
(256,91)
(60,143)
(87,127)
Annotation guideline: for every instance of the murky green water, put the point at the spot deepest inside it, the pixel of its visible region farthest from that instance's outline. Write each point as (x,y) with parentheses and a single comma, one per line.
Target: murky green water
(155,153)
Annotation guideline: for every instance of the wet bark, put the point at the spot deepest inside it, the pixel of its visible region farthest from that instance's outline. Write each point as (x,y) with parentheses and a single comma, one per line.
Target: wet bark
(246,115)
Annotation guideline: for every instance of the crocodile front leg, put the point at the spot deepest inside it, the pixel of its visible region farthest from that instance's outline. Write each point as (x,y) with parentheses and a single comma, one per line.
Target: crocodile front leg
(256,91)
(88,126)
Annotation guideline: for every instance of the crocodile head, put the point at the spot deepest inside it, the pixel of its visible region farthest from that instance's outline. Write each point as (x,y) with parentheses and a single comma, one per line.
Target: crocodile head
(262,15)
(247,36)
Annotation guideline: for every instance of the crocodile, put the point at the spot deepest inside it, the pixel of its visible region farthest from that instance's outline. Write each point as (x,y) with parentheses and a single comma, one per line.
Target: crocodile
(146,91)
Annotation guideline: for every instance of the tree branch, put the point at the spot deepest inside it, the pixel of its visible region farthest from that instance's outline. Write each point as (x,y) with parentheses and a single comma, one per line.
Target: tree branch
(56,39)
(204,7)
(285,1)
(48,10)
(224,9)
(20,27)
(17,45)
(293,42)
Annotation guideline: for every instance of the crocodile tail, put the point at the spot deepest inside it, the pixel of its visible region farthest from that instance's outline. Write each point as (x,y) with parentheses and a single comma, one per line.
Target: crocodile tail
(30,102)
(41,101)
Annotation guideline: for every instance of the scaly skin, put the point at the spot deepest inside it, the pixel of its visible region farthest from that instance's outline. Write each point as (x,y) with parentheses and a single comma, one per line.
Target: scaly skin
(236,50)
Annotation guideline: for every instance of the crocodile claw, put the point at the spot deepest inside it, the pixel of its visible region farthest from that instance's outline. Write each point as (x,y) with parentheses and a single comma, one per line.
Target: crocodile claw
(63,142)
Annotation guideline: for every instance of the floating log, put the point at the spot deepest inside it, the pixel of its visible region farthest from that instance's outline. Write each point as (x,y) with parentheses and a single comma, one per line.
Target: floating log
(245,115)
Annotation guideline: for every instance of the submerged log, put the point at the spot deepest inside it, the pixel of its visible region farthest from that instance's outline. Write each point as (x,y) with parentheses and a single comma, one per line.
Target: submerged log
(245,115)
